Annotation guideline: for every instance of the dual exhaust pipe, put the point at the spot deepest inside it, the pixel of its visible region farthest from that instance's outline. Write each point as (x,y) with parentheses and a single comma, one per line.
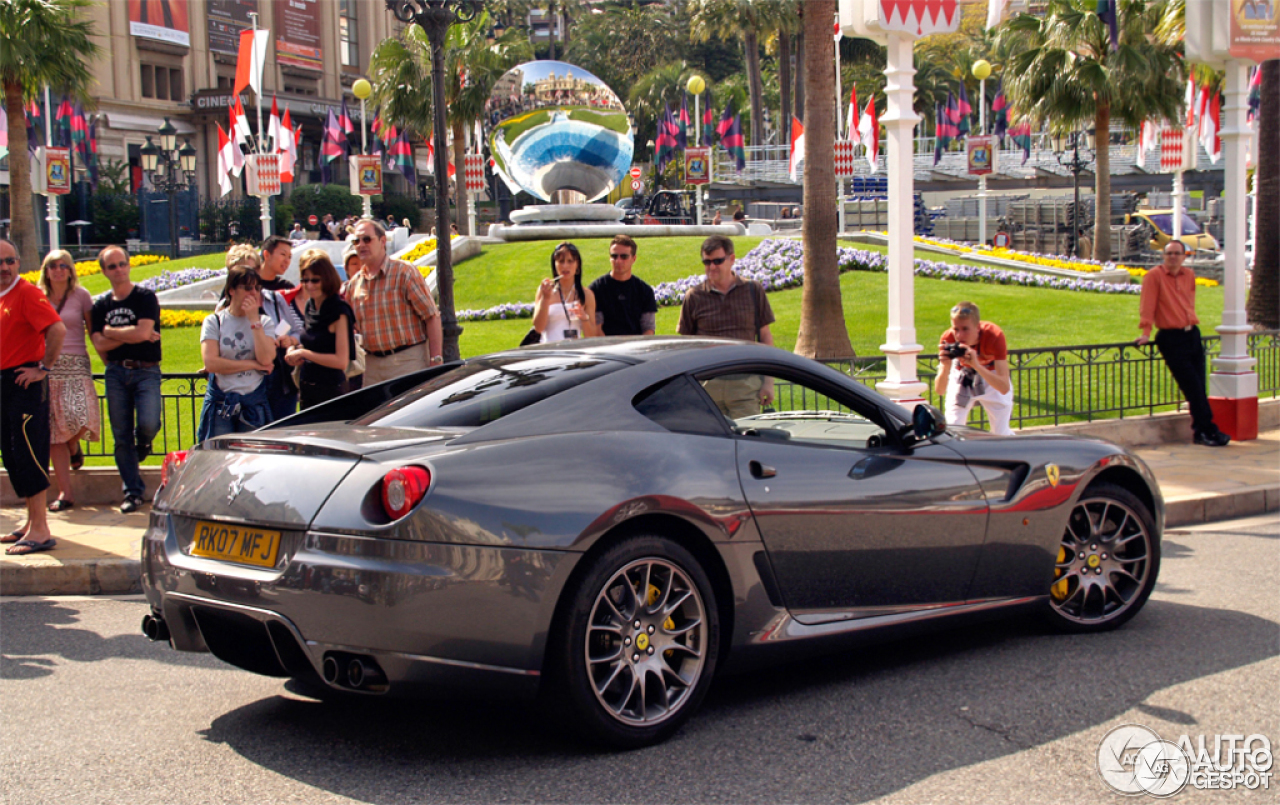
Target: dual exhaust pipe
(155,628)
(354,672)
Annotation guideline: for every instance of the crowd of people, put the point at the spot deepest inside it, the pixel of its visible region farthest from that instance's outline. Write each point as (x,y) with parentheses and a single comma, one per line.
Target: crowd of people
(270,347)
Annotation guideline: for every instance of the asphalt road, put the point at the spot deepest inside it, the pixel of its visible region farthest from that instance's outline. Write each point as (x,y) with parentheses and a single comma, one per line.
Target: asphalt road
(91,712)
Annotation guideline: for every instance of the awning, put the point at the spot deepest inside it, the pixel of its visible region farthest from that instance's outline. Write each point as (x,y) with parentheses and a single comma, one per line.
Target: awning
(123,122)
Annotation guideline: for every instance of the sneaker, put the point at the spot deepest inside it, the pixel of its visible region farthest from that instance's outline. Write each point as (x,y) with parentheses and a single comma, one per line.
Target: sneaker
(1215,438)
(131,504)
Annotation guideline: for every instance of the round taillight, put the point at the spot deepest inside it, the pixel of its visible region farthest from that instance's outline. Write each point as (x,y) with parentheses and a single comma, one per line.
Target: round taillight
(402,489)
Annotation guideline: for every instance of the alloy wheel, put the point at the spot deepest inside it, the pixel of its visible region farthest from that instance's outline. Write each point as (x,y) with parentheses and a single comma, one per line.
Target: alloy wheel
(1104,562)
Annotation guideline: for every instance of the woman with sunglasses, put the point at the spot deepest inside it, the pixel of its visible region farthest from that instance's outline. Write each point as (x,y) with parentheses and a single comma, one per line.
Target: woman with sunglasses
(73,401)
(563,309)
(236,346)
(329,332)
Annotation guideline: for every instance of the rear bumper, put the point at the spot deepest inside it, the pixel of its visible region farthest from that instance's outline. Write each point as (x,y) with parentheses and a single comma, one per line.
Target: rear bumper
(432,615)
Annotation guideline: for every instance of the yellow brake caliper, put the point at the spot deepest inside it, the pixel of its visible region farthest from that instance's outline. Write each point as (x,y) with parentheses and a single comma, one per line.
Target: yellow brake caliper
(668,624)
(1061,587)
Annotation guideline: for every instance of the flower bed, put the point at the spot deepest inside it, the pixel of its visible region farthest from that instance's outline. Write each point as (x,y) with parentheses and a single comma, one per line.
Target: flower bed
(86,268)
(168,280)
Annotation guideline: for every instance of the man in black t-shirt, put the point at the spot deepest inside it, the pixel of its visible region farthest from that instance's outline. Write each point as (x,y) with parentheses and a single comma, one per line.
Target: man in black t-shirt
(126,333)
(625,304)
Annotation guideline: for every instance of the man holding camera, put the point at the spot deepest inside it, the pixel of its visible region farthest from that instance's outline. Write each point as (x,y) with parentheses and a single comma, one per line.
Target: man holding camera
(974,368)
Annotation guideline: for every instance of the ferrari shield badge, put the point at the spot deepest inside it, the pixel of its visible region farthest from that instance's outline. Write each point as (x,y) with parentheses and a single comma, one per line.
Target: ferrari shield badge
(1051,470)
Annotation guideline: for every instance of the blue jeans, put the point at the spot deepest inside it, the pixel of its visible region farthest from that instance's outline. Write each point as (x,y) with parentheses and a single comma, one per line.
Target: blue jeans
(133,403)
(229,412)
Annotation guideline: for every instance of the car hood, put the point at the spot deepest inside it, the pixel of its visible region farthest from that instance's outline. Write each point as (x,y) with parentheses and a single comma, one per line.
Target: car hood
(279,477)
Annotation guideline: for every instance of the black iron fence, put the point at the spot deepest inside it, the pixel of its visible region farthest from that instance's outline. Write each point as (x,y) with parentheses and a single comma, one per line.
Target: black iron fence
(1054,385)
(1051,386)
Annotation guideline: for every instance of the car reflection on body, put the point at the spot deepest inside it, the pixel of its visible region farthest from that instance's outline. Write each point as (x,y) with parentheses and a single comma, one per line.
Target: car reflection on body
(581,520)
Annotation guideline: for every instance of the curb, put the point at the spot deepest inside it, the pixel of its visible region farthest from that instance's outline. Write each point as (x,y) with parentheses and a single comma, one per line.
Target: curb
(46,575)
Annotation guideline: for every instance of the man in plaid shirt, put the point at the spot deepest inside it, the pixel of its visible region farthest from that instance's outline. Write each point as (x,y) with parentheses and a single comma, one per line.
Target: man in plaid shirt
(397,317)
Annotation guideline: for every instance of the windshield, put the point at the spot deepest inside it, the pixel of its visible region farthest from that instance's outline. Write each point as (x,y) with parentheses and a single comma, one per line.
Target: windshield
(1164,223)
(485,390)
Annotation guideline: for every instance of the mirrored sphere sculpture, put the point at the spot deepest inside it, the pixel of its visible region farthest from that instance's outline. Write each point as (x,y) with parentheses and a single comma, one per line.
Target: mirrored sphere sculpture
(554,127)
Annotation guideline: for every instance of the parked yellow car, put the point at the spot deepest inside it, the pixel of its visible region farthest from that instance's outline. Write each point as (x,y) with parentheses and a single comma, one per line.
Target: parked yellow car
(1161,223)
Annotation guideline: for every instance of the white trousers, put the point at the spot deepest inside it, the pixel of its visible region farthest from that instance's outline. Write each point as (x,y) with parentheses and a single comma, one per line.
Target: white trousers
(960,401)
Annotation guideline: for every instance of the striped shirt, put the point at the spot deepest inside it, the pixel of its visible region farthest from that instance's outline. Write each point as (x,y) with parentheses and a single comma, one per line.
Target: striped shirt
(738,313)
(392,307)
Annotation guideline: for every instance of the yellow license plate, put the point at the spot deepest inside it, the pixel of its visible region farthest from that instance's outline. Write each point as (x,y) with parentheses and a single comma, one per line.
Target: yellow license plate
(236,543)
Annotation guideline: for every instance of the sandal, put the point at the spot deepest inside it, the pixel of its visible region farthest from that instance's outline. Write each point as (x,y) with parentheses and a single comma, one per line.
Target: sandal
(61,505)
(12,537)
(77,458)
(30,546)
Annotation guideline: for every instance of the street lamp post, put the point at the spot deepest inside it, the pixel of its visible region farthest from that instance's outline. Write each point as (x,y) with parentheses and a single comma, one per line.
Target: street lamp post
(1076,165)
(981,70)
(170,170)
(362,89)
(435,17)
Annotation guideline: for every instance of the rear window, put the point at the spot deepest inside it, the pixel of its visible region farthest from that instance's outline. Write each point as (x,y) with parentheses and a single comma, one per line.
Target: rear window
(486,390)
(1165,224)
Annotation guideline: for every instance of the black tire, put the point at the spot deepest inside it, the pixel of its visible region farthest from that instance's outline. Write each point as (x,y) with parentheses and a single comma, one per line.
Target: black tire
(604,668)
(1108,562)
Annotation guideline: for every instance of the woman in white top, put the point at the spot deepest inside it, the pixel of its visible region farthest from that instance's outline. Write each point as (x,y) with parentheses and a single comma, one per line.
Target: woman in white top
(563,309)
(236,346)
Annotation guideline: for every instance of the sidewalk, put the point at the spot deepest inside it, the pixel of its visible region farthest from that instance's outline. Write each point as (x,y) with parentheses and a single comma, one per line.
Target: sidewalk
(98,547)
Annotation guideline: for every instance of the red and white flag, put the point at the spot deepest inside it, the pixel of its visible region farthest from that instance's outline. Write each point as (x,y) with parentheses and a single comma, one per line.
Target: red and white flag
(249,60)
(797,147)
(239,131)
(1148,139)
(286,147)
(225,160)
(273,124)
(1190,102)
(851,123)
(869,133)
(1210,125)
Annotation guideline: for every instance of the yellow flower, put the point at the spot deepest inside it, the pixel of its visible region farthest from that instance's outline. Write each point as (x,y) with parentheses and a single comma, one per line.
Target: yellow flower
(182,318)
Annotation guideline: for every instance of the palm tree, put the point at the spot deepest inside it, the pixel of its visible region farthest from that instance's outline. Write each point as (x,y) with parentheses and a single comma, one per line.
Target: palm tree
(651,35)
(46,44)
(1064,73)
(822,335)
(400,70)
(734,19)
(1265,288)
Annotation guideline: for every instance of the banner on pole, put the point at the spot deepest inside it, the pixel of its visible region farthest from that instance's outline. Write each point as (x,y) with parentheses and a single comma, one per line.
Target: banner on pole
(1176,150)
(57,171)
(366,176)
(697,165)
(844,158)
(473,173)
(263,178)
(981,154)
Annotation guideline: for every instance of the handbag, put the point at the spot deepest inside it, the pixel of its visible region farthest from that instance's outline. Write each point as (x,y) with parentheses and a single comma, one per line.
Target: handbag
(356,365)
(531,337)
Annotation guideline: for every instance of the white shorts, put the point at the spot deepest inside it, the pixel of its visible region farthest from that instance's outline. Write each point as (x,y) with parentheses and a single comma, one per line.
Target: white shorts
(960,401)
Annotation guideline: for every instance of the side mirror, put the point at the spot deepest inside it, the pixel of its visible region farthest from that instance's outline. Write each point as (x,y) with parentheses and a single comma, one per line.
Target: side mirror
(927,422)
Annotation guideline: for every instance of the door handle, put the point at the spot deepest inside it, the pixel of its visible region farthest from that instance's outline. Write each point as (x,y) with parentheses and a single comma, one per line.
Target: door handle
(759,470)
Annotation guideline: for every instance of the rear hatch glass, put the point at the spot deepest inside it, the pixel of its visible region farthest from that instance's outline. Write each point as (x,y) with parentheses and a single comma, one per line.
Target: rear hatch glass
(482,391)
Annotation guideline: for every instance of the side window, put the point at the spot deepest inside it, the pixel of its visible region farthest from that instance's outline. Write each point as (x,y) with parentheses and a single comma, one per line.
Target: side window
(678,406)
(766,406)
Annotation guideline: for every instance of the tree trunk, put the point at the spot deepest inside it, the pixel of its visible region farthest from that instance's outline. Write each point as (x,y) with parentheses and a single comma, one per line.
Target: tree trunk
(752,47)
(800,76)
(784,84)
(823,335)
(460,217)
(1102,192)
(1263,308)
(23,229)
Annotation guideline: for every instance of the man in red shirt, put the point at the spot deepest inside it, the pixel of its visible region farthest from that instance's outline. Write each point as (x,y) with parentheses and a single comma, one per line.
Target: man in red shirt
(979,371)
(1169,302)
(31,334)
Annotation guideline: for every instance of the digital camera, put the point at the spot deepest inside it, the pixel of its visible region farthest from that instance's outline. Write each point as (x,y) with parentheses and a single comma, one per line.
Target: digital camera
(953,350)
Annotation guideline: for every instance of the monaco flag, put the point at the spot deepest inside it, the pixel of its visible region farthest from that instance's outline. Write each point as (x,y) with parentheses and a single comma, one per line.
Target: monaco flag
(797,147)
(225,160)
(1210,125)
(287,148)
(252,53)
(869,132)
(273,123)
(854,121)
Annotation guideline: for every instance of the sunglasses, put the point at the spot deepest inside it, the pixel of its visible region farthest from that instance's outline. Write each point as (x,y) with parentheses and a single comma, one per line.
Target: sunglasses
(310,280)
(9,261)
(365,239)
(714,261)
(59,265)
(112,266)
(961,311)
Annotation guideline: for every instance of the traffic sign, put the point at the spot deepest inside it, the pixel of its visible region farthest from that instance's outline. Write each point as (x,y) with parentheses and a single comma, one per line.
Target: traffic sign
(636,172)
(636,184)
(313,220)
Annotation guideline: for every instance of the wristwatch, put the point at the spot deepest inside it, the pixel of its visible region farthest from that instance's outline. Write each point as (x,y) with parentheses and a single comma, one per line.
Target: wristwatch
(437,359)
(43,368)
